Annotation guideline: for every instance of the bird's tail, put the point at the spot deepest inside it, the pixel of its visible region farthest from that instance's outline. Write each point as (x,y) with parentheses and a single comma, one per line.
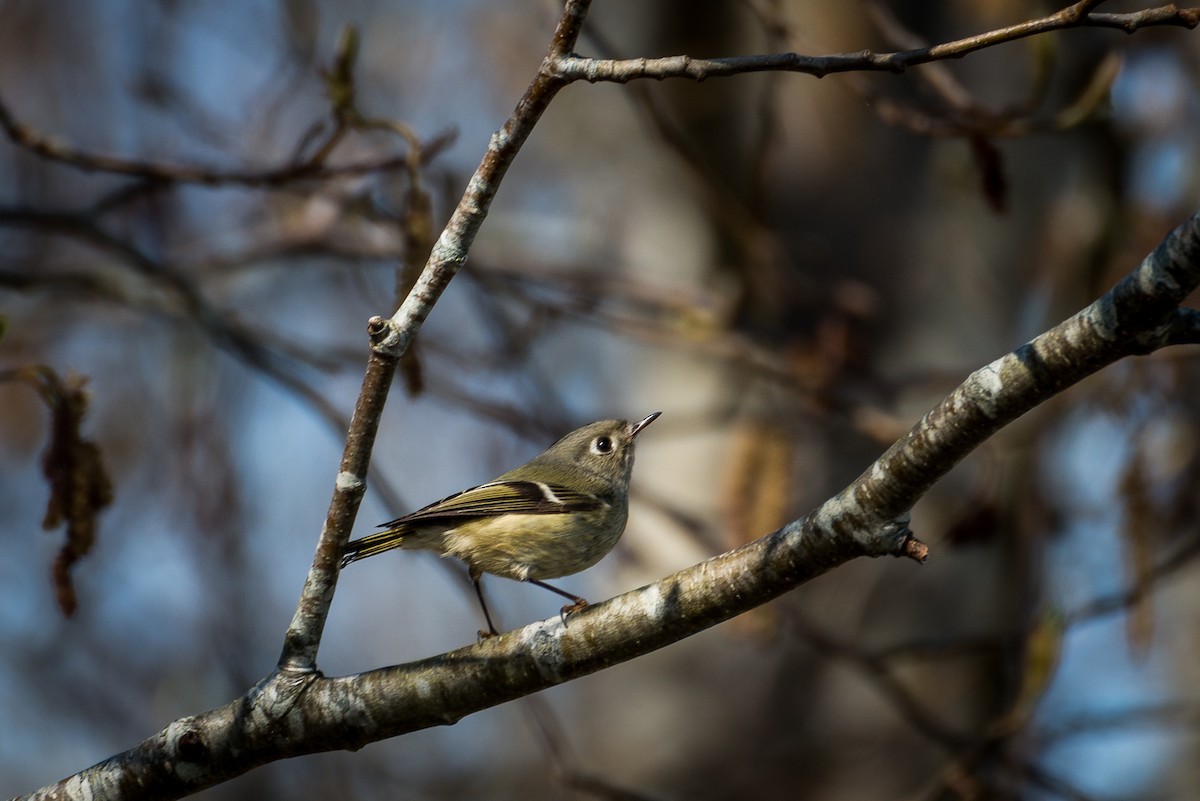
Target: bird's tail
(375,543)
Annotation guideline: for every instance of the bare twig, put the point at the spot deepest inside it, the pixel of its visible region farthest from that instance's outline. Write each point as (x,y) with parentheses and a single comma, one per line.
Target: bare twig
(578,68)
(52,149)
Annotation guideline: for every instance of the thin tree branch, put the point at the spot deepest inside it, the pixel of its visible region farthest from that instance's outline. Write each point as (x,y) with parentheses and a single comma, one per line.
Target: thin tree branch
(53,149)
(303,636)
(390,339)
(278,361)
(1079,15)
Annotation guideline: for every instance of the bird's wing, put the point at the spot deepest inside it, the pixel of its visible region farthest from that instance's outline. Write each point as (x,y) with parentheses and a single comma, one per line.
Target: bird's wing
(500,498)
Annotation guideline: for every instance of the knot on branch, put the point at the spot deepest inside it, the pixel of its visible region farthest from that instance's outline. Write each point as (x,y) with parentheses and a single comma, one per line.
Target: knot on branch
(846,520)
(385,336)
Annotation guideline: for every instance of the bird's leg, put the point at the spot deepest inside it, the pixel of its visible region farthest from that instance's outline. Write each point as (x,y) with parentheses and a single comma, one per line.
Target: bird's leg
(580,603)
(476,578)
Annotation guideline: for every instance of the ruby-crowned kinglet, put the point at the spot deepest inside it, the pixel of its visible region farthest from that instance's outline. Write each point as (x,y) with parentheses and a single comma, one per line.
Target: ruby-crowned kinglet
(555,515)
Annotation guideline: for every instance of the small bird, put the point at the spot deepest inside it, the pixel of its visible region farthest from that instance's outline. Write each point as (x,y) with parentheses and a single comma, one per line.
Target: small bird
(555,515)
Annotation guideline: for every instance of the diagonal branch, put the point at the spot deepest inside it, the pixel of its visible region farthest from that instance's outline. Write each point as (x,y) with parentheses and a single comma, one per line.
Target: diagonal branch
(292,712)
(865,519)
(390,339)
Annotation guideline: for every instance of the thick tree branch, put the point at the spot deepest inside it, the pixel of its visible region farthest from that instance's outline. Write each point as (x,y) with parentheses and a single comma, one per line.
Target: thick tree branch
(1137,316)
(294,712)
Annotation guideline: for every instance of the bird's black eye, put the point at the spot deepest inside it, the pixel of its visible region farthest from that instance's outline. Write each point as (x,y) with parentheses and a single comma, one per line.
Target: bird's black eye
(602,445)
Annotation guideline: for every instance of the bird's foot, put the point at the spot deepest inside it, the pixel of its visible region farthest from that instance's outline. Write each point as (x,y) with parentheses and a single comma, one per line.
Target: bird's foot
(580,603)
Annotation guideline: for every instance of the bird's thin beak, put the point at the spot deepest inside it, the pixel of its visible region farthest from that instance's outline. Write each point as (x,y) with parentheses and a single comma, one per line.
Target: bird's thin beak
(650,418)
